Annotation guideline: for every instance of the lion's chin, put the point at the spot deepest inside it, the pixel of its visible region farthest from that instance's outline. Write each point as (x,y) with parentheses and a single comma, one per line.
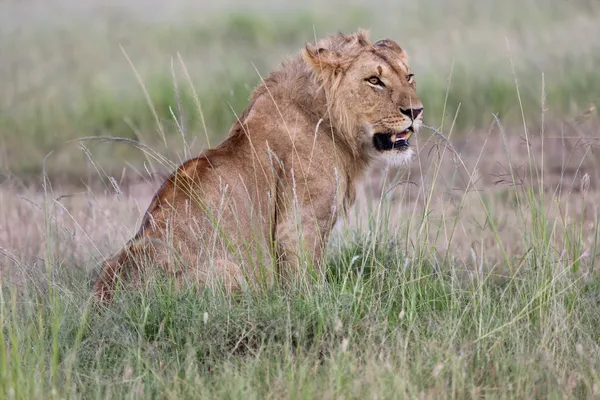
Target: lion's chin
(393,148)
(397,158)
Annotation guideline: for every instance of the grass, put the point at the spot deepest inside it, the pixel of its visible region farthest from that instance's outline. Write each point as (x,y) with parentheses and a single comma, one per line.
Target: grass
(391,317)
(480,279)
(414,332)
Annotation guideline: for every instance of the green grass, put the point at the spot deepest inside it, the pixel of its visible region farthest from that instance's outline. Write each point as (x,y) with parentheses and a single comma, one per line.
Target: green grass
(406,327)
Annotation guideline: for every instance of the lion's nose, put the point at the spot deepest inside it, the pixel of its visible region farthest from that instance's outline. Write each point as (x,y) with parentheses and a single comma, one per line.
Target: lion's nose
(412,113)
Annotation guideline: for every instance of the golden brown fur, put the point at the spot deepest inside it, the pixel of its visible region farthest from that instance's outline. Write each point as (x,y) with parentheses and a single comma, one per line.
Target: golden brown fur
(263,202)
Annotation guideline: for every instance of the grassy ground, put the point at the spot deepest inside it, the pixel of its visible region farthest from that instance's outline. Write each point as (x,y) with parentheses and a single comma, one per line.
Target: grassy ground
(471,274)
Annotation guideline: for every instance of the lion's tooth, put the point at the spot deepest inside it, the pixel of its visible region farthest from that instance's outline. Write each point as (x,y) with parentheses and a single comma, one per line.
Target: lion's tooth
(393,138)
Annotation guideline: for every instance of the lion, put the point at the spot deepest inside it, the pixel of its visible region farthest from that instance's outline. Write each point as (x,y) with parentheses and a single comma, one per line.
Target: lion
(262,203)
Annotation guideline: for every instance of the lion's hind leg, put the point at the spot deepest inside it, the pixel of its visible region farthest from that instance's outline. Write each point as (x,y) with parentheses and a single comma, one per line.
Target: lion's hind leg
(125,266)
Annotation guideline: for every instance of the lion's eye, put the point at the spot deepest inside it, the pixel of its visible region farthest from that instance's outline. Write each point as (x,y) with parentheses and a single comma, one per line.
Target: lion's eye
(410,77)
(375,81)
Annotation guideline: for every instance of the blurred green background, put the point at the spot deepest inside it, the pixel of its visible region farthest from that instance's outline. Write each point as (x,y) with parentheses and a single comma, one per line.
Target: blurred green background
(64,69)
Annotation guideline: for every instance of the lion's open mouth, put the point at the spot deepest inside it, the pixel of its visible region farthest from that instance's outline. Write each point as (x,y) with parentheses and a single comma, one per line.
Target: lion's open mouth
(385,141)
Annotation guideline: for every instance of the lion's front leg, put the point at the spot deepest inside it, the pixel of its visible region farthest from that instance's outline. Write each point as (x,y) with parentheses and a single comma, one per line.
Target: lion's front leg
(308,204)
(300,241)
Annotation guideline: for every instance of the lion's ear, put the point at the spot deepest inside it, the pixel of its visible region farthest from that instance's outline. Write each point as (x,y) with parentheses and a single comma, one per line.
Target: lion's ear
(322,60)
(390,44)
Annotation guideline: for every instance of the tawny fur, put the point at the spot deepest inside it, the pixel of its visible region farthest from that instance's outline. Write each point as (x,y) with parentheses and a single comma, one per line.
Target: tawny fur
(263,202)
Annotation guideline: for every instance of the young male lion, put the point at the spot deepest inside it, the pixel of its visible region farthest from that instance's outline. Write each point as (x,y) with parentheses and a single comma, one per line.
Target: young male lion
(263,202)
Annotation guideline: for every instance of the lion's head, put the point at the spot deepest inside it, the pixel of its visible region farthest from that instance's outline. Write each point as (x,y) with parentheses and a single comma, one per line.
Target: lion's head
(371,93)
